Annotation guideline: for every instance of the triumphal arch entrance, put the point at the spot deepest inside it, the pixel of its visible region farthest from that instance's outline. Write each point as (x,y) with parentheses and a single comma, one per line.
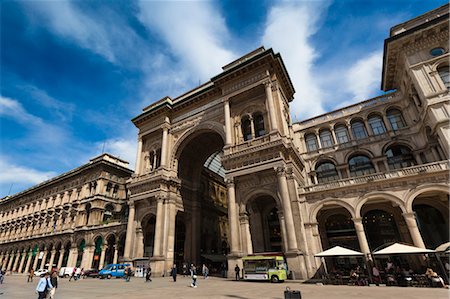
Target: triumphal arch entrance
(217,170)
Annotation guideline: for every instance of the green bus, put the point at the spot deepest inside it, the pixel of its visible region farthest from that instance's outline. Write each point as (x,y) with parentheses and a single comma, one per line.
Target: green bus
(265,267)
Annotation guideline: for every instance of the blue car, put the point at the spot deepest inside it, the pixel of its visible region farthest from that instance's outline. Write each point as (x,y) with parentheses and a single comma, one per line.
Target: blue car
(113,270)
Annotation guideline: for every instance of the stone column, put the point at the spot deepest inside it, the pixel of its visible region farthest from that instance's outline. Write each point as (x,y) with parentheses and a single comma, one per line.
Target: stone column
(232,217)
(245,228)
(36,259)
(130,231)
(226,109)
(411,222)
(16,261)
(27,266)
(116,254)
(22,260)
(60,258)
(270,104)
(158,227)
(44,257)
(287,210)
(88,254)
(164,149)
(72,258)
(362,239)
(10,261)
(139,156)
(102,257)
(52,258)
(284,236)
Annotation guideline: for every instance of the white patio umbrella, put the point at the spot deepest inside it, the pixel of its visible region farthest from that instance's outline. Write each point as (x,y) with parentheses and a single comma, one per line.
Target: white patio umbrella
(337,251)
(398,248)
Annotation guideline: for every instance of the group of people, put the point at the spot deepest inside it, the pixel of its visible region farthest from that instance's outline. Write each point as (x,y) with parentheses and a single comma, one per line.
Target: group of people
(47,286)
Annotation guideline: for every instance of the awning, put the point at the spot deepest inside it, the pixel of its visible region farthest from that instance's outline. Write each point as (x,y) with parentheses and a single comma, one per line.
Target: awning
(443,247)
(398,248)
(215,257)
(339,251)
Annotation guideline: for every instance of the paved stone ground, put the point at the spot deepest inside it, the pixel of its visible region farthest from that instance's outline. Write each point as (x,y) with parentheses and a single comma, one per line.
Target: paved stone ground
(16,287)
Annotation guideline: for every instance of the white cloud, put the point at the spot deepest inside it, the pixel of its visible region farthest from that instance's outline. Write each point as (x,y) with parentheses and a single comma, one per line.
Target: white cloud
(17,177)
(195,32)
(14,109)
(362,80)
(123,148)
(289,28)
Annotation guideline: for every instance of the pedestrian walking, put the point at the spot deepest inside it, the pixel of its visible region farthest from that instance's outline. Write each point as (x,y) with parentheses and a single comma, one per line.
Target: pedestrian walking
(54,282)
(148,275)
(44,285)
(238,271)
(205,271)
(2,276)
(193,271)
(173,273)
(30,275)
(185,271)
(127,274)
(74,272)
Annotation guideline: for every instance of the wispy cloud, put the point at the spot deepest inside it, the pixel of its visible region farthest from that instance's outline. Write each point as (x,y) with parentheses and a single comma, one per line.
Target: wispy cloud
(17,177)
(289,27)
(195,32)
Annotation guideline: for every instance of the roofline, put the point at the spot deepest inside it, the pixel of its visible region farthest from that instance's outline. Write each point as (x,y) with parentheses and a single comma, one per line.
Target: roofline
(403,34)
(92,162)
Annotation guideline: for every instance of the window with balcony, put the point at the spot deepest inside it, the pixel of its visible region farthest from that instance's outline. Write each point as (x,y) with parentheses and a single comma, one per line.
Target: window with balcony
(326,139)
(341,134)
(444,74)
(246,127)
(359,130)
(396,120)
(311,142)
(377,125)
(108,214)
(399,156)
(326,172)
(360,165)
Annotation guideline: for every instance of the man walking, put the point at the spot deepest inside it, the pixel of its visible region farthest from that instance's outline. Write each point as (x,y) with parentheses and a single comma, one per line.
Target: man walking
(148,275)
(127,274)
(205,271)
(43,286)
(74,272)
(238,271)
(54,282)
(193,271)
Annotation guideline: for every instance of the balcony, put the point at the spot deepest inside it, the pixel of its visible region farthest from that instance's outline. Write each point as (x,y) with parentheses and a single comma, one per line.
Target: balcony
(392,174)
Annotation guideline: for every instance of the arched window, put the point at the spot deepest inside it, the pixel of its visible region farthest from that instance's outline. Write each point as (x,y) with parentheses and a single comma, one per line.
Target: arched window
(311,142)
(444,74)
(88,212)
(399,156)
(158,158)
(360,165)
(377,125)
(258,121)
(380,228)
(246,127)
(341,134)
(108,214)
(326,139)
(359,130)
(326,172)
(395,118)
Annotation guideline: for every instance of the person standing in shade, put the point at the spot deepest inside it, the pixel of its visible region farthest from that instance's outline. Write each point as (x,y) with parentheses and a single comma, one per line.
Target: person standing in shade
(237,270)
(54,282)
(205,271)
(173,273)
(30,275)
(43,286)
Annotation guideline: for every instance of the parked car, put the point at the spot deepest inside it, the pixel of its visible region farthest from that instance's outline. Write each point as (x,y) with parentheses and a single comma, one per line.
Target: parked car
(113,270)
(91,273)
(67,272)
(40,272)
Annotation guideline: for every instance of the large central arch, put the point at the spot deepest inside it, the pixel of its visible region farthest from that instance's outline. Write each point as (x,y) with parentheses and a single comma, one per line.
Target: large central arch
(202,191)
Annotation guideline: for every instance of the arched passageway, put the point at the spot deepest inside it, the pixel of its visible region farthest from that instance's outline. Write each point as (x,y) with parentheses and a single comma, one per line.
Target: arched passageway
(336,228)
(204,198)
(265,228)
(109,253)
(148,228)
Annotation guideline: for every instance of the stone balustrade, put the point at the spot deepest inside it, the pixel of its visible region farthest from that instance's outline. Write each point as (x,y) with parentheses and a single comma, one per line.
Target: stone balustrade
(397,173)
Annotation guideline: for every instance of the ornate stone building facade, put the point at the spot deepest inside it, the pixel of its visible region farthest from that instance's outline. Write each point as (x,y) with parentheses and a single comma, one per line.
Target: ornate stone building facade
(222,171)
(76,219)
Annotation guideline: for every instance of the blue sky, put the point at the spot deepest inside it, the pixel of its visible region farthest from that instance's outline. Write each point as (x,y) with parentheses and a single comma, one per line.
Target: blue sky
(73,74)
